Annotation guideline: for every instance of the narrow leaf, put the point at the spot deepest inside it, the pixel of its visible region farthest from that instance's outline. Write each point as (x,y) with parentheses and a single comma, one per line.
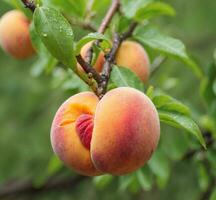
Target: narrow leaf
(167,45)
(56,34)
(183,122)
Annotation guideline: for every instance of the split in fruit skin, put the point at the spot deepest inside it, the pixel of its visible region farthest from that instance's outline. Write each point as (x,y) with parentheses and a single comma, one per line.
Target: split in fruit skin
(114,135)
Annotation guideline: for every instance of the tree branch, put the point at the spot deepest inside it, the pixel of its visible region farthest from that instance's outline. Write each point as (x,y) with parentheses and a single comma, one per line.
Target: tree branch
(88,69)
(107,68)
(105,23)
(29,4)
(110,13)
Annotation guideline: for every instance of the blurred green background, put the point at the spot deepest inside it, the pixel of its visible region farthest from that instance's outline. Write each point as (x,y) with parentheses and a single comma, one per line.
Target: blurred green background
(28,104)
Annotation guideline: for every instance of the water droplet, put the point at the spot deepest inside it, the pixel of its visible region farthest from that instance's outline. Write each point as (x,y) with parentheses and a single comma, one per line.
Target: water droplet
(44,35)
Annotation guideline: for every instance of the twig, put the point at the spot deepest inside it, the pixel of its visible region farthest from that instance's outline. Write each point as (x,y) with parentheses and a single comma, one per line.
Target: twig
(107,68)
(29,4)
(24,187)
(105,23)
(88,69)
(110,13)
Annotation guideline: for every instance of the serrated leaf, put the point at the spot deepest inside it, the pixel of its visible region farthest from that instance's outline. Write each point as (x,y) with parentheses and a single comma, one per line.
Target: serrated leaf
(154,9)
(102,181)
(56,34)
(181,121)
(122,76)
(167,45)
(90,37)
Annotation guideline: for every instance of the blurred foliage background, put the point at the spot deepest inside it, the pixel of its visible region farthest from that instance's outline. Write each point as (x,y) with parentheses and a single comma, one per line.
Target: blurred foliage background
(28,103)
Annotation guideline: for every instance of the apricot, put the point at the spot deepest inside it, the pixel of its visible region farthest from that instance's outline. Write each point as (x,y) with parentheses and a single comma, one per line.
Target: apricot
(14,35)
(114,135)
(133,56)
(100,60)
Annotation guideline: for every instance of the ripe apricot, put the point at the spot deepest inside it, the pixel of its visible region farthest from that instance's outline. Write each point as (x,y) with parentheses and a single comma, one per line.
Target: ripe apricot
(133,56)
(14,35)
(114,135)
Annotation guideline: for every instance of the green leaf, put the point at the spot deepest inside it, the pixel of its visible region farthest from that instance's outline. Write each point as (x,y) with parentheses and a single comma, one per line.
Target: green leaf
(71,7)
(122,76)
(167,45)
(130,8)
(145,178)
(181,121)
(56,34)
(168,103)
(154,9)
(90,37)
(102,181)
(159,165)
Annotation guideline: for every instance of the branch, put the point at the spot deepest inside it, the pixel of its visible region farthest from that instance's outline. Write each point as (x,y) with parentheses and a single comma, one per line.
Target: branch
(110,13)
(88,69)
(107,68)
(105,23)
(29,4)
(16,188)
